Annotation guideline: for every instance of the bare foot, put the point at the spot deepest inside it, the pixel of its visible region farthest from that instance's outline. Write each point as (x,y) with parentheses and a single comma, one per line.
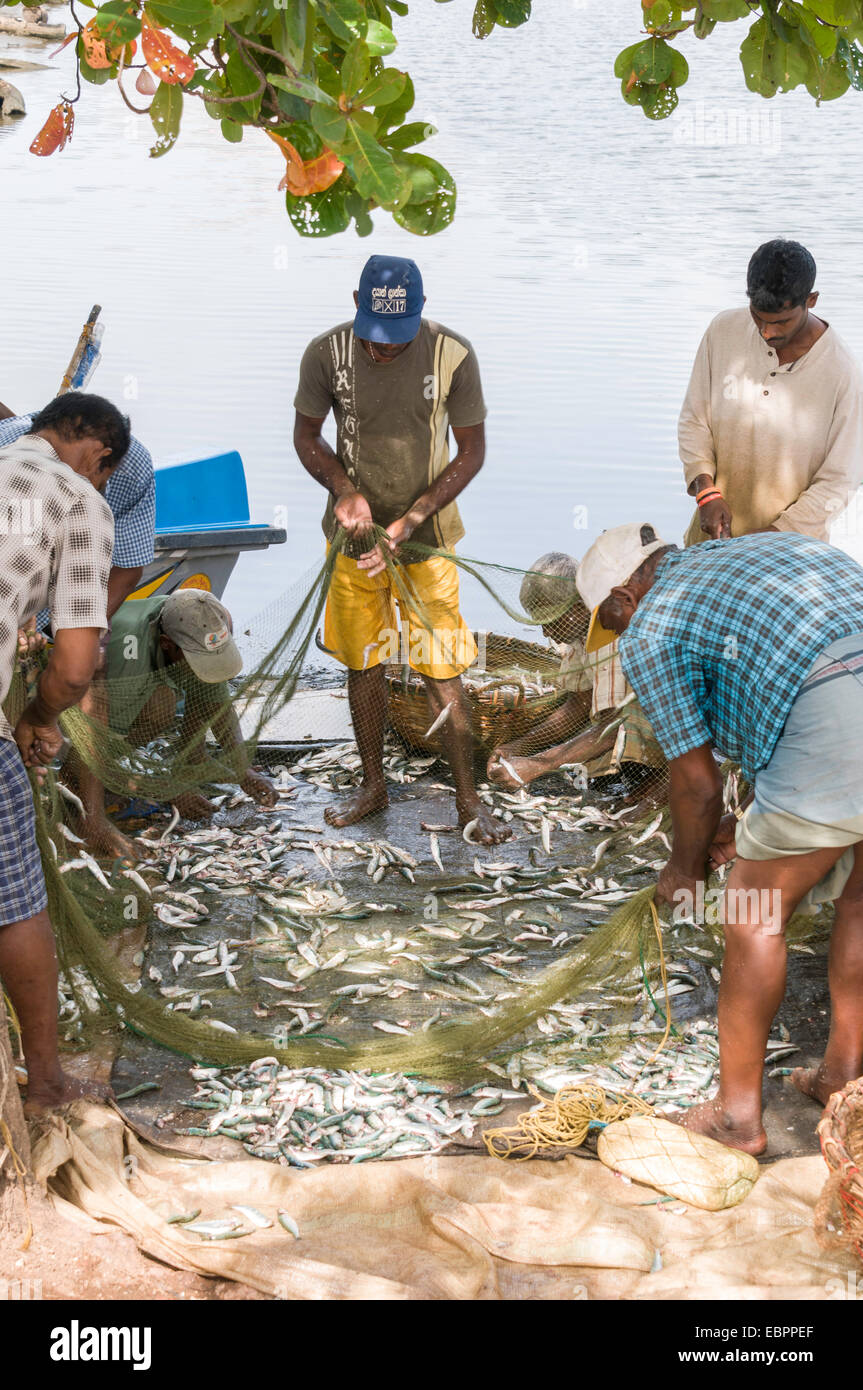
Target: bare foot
(820,1084)
(488,829)
(713,1119)
(363,802)
(55,1093)
(104,839)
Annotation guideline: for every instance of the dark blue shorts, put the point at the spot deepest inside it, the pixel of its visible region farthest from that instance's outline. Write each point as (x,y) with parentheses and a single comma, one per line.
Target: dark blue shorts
(22,882)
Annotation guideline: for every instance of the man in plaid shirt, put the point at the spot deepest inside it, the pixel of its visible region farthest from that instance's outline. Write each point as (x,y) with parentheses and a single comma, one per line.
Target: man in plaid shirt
(56,543)
(131,495)
(752,647)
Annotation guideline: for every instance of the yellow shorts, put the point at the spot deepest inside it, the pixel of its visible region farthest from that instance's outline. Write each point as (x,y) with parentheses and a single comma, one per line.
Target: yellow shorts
(367,623)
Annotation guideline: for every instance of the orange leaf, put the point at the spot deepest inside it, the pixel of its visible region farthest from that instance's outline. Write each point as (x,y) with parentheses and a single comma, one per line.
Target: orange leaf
(632,81)
(313,175)
(70,38)
(323,171)
(168,62)
(56,130)
(95,47)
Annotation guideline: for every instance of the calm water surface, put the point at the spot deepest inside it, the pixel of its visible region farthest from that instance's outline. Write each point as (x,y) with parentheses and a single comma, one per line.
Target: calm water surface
(590,249)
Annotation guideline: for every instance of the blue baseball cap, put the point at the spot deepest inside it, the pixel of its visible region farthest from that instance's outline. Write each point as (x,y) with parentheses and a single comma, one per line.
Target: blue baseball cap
(391,300)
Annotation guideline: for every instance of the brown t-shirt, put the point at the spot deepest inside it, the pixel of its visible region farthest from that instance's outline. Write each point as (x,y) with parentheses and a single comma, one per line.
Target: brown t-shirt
(393,418)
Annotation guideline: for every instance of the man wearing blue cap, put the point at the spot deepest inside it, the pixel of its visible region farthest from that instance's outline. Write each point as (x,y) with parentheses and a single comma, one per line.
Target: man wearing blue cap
(397,384)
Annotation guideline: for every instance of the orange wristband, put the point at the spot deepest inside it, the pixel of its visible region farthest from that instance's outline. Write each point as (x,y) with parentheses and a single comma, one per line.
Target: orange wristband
(710,494)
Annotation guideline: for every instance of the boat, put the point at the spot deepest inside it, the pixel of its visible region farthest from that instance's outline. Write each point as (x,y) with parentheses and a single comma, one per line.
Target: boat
(202,526)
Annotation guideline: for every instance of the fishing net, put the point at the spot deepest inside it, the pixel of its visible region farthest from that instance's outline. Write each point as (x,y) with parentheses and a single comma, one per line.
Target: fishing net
(533,717)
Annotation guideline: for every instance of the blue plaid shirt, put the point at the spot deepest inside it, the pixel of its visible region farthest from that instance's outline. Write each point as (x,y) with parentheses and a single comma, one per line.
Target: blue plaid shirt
(718,648)
(130,493)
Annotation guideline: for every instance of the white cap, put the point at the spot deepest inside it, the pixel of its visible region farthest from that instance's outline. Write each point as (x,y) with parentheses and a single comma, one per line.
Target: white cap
(613,557)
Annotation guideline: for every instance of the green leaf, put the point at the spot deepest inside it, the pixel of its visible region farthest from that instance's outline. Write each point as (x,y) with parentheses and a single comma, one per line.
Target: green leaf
(657,15)
(651,61)
(372,166)
(679,69)
(384,89)
(306,141)
(769,65)
(234,10)
(484,19)
(433,214)
(95,75)
(184,14)
(380,39)
(299,87)
(852,59)
(512,13)
(321,214)
(834,11)
(827,79)
(165,112)
(722,11)
(355,67)
(330,125)
(242,82)
(658,102)
(346,19)
(117,22)
(231,130)
(623,63)
(394,112)
(408,135)
(358,207)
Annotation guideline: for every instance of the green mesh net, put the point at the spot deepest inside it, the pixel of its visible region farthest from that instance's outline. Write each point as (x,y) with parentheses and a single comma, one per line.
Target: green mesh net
(277,925)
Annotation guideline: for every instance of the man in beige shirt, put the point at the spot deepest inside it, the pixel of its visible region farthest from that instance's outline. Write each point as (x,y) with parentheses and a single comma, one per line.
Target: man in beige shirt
(771,430)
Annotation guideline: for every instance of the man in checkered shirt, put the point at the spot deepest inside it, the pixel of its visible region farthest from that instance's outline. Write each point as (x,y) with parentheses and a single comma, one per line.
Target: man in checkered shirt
(56,545)
(131,495)
(752,647)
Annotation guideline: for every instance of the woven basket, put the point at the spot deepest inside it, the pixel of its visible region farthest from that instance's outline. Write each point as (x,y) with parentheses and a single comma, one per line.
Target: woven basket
(498,715)
(839,1213)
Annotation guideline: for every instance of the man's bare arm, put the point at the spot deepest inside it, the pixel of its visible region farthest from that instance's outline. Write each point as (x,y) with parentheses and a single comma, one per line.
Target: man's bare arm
(6,413)
(696,806)
(121,583)
(63,683)
(317,457)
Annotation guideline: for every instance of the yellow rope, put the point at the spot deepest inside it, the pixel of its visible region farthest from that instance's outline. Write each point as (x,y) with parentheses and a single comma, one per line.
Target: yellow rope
(564,1121)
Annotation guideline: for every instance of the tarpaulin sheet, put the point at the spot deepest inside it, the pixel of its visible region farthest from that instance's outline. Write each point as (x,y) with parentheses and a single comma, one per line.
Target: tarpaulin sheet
(443,1228)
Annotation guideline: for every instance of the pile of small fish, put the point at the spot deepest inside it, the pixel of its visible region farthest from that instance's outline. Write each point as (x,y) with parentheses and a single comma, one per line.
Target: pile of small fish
(305,1116)
(680,1076)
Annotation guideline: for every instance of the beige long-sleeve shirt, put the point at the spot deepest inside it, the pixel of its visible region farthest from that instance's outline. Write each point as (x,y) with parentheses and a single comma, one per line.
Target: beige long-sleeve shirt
(783,443)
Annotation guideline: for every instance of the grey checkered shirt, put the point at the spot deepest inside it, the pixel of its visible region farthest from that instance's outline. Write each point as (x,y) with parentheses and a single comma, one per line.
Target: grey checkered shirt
(130,493)
(56,544)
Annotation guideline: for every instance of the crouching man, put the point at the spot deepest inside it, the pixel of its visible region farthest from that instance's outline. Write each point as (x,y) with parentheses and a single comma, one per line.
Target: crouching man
(600,724)
(754,647)
(180,645)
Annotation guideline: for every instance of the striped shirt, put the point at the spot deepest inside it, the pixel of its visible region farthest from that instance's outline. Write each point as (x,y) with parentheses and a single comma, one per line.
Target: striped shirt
(393,418)
(719,647)
(56,541)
